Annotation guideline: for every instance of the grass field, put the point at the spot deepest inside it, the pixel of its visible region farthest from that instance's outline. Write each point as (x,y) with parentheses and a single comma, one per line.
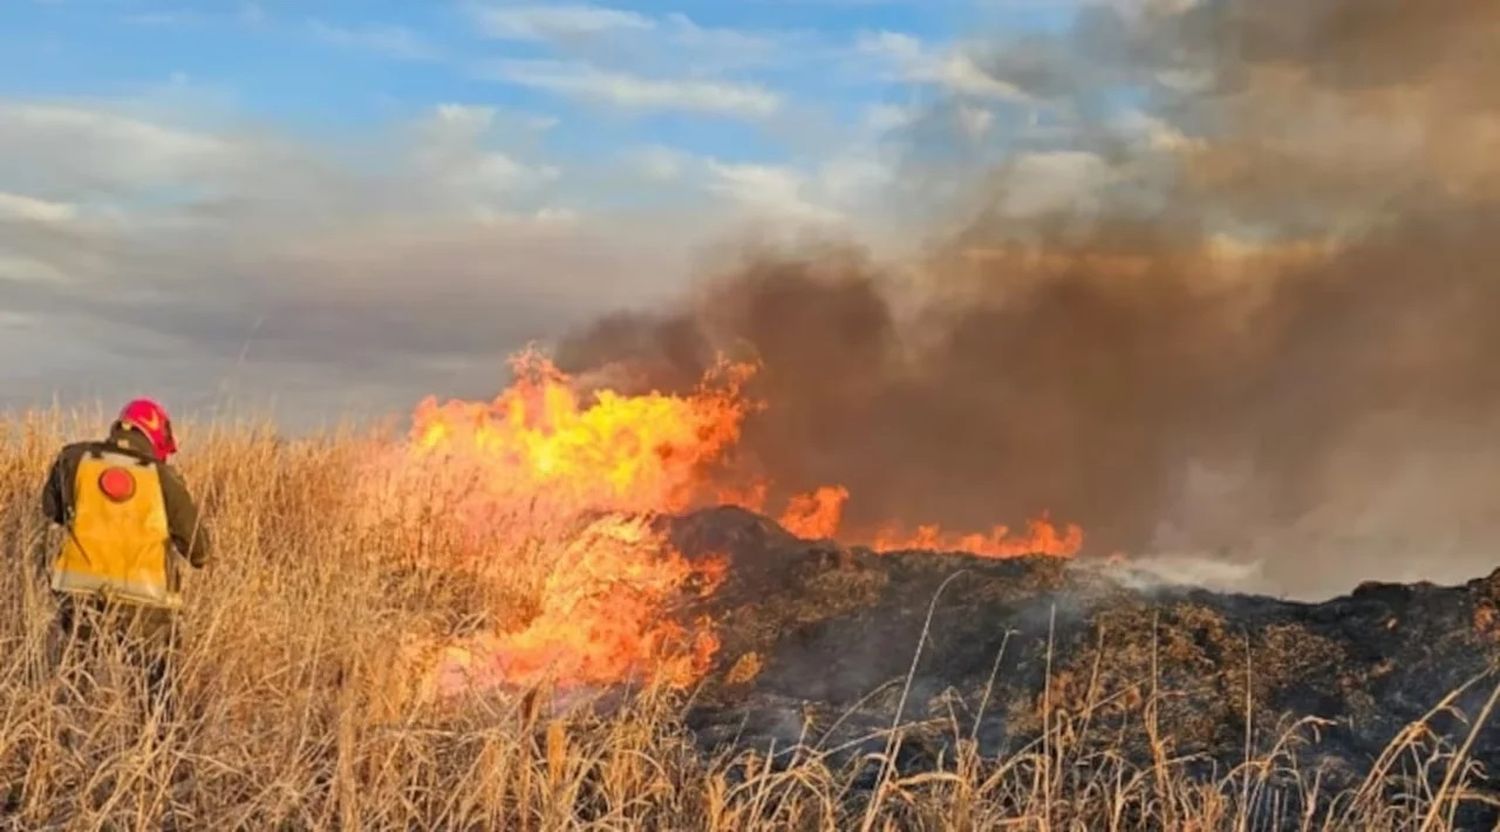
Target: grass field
(300,703)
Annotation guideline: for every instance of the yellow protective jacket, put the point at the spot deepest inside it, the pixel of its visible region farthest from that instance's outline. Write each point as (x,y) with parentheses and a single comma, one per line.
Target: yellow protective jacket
(124,514)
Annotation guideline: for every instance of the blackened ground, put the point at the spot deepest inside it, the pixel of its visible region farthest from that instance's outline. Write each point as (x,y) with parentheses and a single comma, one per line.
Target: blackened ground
(818,640)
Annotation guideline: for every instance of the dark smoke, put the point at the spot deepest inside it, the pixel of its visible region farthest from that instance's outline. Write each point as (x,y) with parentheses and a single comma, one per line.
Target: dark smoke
(1270,332)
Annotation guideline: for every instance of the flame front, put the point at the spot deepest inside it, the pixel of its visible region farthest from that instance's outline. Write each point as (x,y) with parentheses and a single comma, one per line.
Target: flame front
(618,453)
(818,514)
(1041,538)
(605,618)
(549,496)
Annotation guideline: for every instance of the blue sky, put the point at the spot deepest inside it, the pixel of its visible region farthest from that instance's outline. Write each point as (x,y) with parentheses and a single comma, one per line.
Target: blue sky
(249,199)
(337,65)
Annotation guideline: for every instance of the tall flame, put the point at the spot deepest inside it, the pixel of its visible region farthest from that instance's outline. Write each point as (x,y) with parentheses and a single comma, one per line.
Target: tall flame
(553,492)
(619,453)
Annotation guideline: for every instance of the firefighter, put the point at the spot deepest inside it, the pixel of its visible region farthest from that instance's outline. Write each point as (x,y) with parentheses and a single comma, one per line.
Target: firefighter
(128,521)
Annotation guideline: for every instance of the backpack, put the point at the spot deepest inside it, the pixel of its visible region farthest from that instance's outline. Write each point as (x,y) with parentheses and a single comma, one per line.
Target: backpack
(118,543)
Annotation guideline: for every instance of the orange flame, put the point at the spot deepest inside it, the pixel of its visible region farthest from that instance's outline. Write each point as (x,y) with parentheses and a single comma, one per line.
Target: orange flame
(1041,538)
(816,515)
(621,453)
(522,474)
(553,492)
(604,618)
(819,514)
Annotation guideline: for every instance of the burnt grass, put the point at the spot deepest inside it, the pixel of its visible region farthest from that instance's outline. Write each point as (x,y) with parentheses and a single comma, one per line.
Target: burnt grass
(818,641)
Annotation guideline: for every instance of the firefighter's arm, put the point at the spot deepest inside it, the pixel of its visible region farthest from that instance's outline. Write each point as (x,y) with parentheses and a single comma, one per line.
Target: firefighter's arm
(55,492)
(189,534)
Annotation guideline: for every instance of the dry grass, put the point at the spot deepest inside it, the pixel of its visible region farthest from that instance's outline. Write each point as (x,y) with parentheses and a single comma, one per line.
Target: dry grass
(295,710)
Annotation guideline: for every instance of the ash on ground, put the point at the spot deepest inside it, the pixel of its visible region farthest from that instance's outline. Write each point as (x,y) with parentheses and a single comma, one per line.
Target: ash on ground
(819,641)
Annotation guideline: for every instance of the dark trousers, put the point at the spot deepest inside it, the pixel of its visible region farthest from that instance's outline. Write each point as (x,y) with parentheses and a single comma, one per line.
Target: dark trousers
(91,629)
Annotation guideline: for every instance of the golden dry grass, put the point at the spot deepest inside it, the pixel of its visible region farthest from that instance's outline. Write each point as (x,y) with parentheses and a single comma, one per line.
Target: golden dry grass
(296,707)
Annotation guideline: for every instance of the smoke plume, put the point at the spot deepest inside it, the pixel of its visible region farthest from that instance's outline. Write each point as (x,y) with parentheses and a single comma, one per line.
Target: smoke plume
(1257,321)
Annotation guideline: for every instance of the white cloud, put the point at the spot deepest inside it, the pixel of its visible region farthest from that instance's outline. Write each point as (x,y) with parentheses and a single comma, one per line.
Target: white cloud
(632,92)
(476,119)
(452,237)
(770,191)
(549,22)
(499,172)
(885,117)
(975,121)
(723,46)
(951,68)
(136,135)
(1154,132)
(853,180)
(958,72)
(843,189)
(457,161)
(660,164)
(456,154)
(1155,7)
(29,270)
(391,41)
(464,120)
(22,207)
(667,45)
(673,32)
(362,263)
(899,52)
(106,149)
(897,46)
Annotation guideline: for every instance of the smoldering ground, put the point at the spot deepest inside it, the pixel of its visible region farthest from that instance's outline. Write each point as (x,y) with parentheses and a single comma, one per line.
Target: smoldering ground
(1256,321)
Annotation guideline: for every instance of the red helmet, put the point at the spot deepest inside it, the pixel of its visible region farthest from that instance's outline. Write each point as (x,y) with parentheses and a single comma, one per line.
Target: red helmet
(151,419)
